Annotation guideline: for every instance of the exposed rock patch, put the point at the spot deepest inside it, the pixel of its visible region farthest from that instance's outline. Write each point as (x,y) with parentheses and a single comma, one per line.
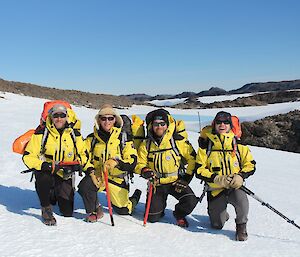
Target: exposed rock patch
(281,132)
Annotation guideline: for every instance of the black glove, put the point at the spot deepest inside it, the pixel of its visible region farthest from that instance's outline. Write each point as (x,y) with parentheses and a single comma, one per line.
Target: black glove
(180,185)
(77,168)
(48,167)
(147,173)
(68,169)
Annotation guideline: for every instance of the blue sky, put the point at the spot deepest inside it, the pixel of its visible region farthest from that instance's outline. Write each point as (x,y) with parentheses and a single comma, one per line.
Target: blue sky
(152,47)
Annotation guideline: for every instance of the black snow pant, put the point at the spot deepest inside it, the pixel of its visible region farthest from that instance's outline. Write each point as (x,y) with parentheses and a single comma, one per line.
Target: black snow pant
(88,192)
(187,202)
(48,185)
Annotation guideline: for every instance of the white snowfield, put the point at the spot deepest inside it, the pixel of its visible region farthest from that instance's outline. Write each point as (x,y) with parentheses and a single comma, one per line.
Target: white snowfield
(22,233)
(203,99)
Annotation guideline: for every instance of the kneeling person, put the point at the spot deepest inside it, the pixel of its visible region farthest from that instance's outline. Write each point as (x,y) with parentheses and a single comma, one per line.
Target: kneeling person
(59,140)
(159,160)
(224,165)
(106,151)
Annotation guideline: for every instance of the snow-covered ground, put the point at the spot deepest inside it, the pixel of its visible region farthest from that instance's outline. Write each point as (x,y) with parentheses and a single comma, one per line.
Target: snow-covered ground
(203,99)
(168,102)
(23,234)
(219,98)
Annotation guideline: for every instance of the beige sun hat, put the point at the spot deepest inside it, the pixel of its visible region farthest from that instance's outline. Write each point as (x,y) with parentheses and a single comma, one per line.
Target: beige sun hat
(107,109)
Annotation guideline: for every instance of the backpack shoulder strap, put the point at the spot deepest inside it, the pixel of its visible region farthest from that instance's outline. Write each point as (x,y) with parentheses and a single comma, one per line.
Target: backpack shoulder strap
(73,136)
(123,139)
(93,143)
(174,146)
(148,143)
(209,147)
(236,149)
(44,139)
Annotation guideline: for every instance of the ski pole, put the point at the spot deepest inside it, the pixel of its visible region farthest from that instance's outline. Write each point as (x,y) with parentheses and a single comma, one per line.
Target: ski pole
(26,171)
(108,198)
(60,164)
(199,120)
(249,192)
(149,198)
(205,189)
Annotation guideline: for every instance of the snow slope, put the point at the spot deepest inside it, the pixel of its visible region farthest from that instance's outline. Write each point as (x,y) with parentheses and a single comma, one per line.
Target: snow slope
(203,99)
(23,234)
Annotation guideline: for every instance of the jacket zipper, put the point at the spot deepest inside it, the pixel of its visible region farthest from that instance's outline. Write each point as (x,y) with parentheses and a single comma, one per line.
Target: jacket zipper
(59,152)
(224,157)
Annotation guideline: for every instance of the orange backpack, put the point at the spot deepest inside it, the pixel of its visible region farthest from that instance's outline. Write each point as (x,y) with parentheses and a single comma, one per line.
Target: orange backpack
(236,127)
(20,143)
(48,105)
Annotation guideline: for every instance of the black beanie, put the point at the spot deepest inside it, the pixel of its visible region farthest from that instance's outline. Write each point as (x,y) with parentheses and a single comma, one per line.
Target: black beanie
(223,116)
(160,114)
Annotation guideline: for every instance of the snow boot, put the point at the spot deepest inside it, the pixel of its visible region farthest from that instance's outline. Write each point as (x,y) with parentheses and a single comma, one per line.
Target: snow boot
(135,198)
(241,232)
(47,215)
(182,222)
(95,216)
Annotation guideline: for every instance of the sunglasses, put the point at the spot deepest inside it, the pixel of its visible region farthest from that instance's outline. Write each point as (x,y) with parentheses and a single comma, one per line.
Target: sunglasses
(227,122)
(156,124)
(59,115)
(110,118)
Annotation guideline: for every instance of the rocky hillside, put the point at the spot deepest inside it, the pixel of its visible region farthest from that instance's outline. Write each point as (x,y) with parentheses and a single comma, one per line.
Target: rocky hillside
(73,96)
(267,86)
(281,132)
(248,88)
(212,91)
(255,100)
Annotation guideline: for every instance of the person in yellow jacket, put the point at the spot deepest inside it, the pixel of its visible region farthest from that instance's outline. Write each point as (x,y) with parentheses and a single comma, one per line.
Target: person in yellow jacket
(106,151)
(159,161)
(224,165)
(57,141)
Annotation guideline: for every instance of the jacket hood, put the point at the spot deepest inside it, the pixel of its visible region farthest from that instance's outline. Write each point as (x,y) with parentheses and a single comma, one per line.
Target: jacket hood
(72,122)
(168,133)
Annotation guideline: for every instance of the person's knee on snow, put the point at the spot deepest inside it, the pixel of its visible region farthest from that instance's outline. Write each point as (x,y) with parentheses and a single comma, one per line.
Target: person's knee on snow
(176,156)
(224,179)
(155,217)
(55,170)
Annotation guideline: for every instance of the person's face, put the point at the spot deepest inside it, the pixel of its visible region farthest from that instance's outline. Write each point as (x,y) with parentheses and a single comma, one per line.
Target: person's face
(159,127)
(222,127)
(59,120)
(107,122)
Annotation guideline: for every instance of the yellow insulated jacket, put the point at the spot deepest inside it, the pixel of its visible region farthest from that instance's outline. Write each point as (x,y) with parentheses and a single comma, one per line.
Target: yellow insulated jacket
(165,158)
(57,147)
(100,151)
(225,157)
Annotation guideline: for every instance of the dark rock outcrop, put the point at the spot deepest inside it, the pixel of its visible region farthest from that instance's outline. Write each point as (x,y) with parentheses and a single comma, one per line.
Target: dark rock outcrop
(138,97)
(280,132)
(185,95)
(213,91)
(255,100)
(267,86)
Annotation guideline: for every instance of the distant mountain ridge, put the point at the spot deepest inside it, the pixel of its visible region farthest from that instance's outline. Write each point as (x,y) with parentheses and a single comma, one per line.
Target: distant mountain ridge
(93,100)
(267,86)
(214,91)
